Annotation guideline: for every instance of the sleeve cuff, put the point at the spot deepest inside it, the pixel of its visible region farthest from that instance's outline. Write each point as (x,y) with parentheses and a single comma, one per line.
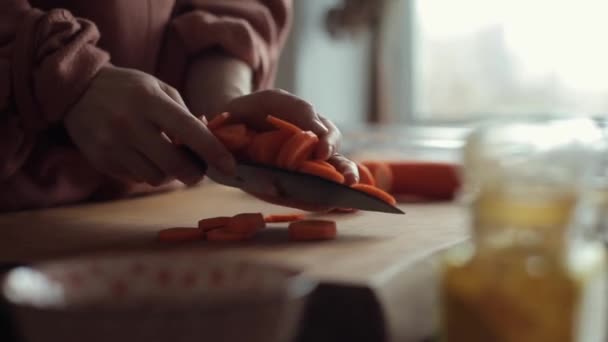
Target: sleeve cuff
(54,60)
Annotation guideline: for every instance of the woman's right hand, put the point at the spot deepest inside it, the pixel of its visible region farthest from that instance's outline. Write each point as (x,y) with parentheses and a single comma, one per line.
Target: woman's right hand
(122,124)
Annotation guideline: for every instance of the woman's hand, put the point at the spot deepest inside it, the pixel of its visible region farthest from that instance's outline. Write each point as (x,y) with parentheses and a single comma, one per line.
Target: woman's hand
(254,108)
(122,124)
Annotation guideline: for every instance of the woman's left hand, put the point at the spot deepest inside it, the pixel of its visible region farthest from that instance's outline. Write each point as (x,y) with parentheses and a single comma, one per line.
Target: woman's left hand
(254,108)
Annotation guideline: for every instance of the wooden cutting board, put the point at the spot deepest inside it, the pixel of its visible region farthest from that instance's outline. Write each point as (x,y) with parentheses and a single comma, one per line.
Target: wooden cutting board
(376,253)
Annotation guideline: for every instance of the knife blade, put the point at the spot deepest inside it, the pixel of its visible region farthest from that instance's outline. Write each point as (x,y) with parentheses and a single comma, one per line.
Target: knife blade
(304,188)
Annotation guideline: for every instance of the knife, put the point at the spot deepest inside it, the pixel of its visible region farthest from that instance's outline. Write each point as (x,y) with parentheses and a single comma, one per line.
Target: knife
(301,187)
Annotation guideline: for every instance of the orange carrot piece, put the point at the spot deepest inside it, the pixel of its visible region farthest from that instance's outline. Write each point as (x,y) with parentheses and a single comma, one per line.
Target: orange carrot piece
(234,137)
(245,223)
(218,121)
(180,234)
(283,125)
(264,147)
(319,170)
(376,192)
(312,230)
(324,163)
(365,175)
(213,223)
(297,149)
(222,235)
(433,180)
(382,173)
(283,218)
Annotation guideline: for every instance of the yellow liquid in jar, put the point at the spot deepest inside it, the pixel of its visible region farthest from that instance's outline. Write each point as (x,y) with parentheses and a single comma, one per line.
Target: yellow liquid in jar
(510,292)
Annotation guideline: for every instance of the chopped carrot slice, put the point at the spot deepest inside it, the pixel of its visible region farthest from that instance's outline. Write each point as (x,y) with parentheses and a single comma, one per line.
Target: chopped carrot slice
(283,218)
(365,175)
(213,223)
(435,180)
(222,235)
(218,121)
(312,230)
(319,170)
(283,125)
(265,147)
(235,137)
(382,173)
(376,192)
(297,149)
(180,234)
(245,223)
(324,163)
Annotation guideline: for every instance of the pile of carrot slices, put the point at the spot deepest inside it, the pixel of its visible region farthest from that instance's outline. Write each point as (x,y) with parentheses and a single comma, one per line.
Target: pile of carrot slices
(244,227)
(286,146)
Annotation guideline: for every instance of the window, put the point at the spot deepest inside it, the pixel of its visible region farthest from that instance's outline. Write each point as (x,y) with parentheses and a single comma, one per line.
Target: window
(480,58)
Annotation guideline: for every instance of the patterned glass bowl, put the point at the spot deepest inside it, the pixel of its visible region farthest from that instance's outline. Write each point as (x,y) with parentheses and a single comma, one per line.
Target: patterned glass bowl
(155,298)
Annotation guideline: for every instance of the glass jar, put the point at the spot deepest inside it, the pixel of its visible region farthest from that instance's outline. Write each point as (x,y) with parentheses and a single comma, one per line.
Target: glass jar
(531,271)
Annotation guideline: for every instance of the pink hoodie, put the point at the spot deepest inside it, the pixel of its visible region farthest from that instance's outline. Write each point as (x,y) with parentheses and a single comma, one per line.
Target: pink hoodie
(51,49)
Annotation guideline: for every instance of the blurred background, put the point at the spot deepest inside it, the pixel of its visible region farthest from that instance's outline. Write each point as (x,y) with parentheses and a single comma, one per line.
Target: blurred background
(441,62)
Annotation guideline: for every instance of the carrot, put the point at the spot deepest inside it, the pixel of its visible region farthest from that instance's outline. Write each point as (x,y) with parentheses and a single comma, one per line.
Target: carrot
(319,170)
(376,192)
(324,163)
(222,235)
(235,137)
(245,223)
(311,230)
(434,180)
(265,147)
(283,218)
(213,223)
(365,175)
(283,125)
(297,149)
(382,173)
(180,234)
(218,121)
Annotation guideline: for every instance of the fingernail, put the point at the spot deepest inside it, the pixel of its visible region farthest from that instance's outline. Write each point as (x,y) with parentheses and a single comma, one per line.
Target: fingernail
(204,119)
(351,178)
(228,166)
(321,127)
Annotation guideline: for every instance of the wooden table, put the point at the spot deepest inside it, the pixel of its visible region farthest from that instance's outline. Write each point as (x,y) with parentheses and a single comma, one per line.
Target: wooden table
(377,272)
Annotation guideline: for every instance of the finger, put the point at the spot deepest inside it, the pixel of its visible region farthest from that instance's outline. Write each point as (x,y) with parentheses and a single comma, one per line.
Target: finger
(329,143)
(254,108)
(142,168)
(172,160)
(346,167)
(172,93)
(127,175)
(107,162)
(116,171)
(191,132)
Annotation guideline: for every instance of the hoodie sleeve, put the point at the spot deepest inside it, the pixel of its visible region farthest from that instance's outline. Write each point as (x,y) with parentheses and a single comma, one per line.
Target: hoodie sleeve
(47,60)
(253,31)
